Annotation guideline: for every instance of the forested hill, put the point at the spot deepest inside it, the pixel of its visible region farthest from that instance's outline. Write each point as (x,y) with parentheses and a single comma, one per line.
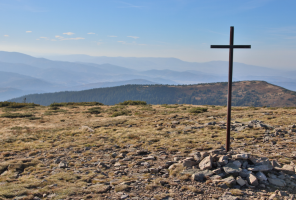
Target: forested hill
(245,93)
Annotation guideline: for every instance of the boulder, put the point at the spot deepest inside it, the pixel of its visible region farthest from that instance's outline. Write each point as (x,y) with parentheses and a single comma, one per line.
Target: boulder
(277,182)
(231,168)
(287,169)
(237,163)
(206,163)
(261,168)
(199,176)
(229,181)
(223,160)
(252,180)
(240,181)
(241,156)
(261,176)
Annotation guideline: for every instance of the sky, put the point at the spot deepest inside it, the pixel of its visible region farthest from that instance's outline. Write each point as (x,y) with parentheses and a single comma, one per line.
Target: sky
(182,29)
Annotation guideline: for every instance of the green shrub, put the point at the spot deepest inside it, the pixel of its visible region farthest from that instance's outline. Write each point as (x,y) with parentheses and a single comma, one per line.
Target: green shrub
(16,115)
(94,110)
(120,113)
(198,110)
(17,105)
(131,102)
(76,104)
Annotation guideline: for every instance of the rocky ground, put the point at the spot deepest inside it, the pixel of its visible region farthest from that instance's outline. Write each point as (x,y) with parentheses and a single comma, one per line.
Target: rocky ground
(147,152)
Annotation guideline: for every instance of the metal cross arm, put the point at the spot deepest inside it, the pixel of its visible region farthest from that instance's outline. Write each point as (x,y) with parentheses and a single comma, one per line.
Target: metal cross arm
(231,46)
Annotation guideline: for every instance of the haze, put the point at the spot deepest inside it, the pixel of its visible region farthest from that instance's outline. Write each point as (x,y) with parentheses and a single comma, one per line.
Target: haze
(182,29)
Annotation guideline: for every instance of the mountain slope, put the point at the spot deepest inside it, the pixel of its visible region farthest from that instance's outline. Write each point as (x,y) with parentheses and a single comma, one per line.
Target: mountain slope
(245,93)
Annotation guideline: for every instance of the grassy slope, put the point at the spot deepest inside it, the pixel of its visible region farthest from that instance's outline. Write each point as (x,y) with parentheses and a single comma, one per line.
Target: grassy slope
(33,145)
(245,93)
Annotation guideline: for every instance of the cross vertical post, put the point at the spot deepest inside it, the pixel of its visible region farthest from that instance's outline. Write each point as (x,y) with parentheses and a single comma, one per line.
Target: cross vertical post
(230,47)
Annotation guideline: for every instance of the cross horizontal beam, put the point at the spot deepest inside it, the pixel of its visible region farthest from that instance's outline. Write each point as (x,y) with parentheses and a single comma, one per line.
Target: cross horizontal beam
(231,46)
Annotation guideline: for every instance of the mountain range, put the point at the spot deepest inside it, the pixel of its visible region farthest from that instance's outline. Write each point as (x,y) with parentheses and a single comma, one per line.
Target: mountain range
(22,74)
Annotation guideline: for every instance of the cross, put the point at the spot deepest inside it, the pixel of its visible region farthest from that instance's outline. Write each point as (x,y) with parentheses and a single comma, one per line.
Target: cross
(230,47)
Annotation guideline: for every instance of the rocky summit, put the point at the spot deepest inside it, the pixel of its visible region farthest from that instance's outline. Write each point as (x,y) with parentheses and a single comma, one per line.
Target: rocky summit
(151,152)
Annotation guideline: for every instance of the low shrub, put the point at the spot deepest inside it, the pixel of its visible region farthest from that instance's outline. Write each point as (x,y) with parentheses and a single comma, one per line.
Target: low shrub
(94,110)
(17,105)
(120,113)
(131,102)
(16,115)
(198,110)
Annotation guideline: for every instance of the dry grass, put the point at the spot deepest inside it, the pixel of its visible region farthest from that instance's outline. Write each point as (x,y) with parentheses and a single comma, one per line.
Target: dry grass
(59,134)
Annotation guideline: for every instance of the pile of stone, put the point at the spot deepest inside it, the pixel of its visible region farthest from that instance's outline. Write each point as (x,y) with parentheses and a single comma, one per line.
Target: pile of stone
(237,170)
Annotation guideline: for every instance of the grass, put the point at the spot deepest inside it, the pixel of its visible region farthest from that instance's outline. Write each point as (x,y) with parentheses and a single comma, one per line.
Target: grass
(119,130)
(16,115)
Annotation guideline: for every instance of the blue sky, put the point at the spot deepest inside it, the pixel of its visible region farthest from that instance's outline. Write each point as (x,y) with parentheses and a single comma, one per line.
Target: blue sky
(182,29)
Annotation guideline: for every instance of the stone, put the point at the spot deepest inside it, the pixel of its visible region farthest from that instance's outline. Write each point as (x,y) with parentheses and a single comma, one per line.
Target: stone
(149,158)
(86,128)
(223,160)
(229,181)
(142,152)
(241,156)
(277,182)
(273,196)
(217,171)
(206,163)
(240,181)
(199,176)
(231,168)
(287,169)
(252,180)
(261,168)
(228,197)
(282,193)
(188,163)
(153,170)
(261,176)
(63,164)
(275,163)
(102,165)
(125,196)
(237,163)
(204,154)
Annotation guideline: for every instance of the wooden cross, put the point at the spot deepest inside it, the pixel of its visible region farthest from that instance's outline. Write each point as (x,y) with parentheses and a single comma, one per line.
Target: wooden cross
(230,47)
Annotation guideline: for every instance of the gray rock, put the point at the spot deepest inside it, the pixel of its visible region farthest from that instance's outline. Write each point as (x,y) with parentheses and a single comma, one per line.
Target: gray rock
(240,181)
(223,160)
(217,171)
(125,196)
(231,168)
(229,180)
(199,176)
(261,168)
(237,163)
(206,163)
(63,164)
(275,163)
(153,170)
(277,182)
(241,156)
(282,194)
(188,163)
(261,176)
(149,158)
(288,169)
(228,197)
(252,180)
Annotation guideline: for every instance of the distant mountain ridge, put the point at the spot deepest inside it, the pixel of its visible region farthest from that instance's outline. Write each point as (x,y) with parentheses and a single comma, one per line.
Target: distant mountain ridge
(43,75)
(245,93)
